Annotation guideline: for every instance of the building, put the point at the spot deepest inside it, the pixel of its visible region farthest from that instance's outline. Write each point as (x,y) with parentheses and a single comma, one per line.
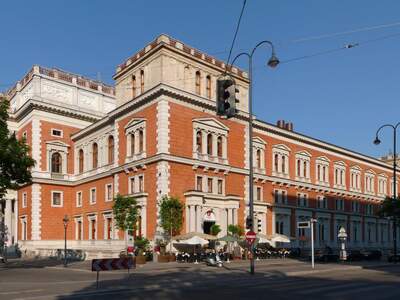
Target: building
(157,134)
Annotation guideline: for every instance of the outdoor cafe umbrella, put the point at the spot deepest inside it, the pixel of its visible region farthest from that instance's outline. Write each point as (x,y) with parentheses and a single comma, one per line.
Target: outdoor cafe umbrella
(228,239)
(280,238)
(194,241)
(189,235)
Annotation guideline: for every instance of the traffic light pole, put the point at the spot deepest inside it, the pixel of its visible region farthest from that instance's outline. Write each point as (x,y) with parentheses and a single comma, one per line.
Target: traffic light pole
(273,62)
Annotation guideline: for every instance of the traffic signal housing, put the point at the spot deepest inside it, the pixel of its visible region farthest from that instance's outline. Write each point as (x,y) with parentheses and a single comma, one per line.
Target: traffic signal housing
(226,97)
(249,223)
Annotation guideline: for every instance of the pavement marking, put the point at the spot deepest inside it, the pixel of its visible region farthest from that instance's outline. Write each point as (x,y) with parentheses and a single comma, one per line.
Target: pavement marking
(20,292)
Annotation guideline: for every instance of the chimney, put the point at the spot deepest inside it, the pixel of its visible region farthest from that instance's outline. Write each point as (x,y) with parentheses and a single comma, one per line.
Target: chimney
(280,123)
(289,126)
(285,125)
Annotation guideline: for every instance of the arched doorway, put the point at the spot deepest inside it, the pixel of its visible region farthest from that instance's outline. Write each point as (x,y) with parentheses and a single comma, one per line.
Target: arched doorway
(208,221)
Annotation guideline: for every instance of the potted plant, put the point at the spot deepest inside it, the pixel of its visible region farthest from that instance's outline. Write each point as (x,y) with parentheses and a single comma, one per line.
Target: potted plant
(142,247)
(171,215)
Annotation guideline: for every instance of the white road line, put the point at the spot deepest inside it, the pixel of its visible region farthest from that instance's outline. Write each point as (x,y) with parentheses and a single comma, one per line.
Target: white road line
(20,292)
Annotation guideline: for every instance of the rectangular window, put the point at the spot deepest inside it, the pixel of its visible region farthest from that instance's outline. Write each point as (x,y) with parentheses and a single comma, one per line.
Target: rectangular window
(220,186)
(56,199)
(109,192)
(93,229)
(57,132)
(141,184)
(132,188)
(199,183)
(284,197)
(79,199)
(92,196)
(302,200)
(79,229)
(210,185)
(24,199)
(108,224)
(339,204)
(258,193)
(322,202)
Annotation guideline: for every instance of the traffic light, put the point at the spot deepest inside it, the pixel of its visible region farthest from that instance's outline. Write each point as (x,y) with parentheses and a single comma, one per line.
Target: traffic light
(249,223)
(226,98)
(259,225)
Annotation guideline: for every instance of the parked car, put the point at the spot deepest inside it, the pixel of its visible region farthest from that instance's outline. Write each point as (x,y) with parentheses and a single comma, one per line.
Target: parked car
(372,254)
(355,255)
(394,258)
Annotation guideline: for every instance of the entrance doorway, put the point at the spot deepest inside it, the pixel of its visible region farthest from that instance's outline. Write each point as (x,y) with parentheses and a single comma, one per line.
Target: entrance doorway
(207,226)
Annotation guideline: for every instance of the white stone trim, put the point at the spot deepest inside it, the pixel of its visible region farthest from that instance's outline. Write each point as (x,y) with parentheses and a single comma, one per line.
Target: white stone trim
(36,213)
(61,196)
(163,116)
(36,144)
(162,188)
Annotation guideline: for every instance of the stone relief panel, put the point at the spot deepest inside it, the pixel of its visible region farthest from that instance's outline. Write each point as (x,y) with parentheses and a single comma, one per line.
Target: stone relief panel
(87,100)
(56,92)
(26,93)
(108,106)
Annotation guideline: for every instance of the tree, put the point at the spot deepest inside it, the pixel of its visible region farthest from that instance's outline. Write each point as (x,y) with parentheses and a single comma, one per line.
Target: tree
(171,215)
(215,229)
(125,210)
(15,161)
(236,230)
(390,207)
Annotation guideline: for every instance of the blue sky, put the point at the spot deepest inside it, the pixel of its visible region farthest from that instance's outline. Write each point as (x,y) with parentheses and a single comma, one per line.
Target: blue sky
(342,97)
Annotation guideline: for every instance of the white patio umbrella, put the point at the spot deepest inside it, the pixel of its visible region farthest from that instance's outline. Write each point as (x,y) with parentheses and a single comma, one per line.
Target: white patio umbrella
(195,240)
(263,239)
(279,238)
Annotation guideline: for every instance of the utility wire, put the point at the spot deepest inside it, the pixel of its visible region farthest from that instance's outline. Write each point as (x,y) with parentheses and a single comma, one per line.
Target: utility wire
(234,37)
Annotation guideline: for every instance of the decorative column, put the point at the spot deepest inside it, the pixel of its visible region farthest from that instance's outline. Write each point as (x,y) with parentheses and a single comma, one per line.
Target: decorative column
(198,218)
(143,214)
(204,142)
(192,218)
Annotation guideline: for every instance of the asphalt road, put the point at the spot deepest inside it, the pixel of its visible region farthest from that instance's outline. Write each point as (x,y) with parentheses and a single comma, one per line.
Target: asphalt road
(273,280)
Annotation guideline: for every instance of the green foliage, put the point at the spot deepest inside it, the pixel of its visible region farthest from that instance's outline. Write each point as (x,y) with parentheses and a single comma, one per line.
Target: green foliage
(236,230)
(15,161)
(171,214)
(215,229)
(125,211)
(390,207)
(142,244)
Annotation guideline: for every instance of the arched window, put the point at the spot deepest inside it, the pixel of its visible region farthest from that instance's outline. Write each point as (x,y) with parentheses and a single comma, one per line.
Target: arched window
(56,163)
(80,155)
(208,86)
(132,135)
(219,146)
(276,158)
(198,86)
(110,149)
(258,158)
(298,167)
(141,81)
(199,141)
(304,169)
(141,141)
(283,163)
(209,144)
(95,155)
(133,86)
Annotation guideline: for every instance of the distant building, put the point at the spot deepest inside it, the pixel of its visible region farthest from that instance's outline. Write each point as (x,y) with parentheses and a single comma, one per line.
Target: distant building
(157,134)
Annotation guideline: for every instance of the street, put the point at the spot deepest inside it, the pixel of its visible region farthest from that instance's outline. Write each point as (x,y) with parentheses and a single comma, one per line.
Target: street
(276,279)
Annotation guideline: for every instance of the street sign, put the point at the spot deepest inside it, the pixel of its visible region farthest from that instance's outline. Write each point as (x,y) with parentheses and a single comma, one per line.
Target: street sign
(250,237)
(305,224)
(109,264)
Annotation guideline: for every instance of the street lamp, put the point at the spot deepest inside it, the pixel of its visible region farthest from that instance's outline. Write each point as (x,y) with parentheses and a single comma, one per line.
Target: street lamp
(377,142)
(342,236)
(272,62)
(65,222)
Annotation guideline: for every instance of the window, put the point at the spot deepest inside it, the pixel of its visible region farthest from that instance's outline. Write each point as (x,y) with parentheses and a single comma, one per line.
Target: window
(56,163)
(141,142)
(79,229)
(369,209)
(141,81)
(280,196)
(24,229)
(25,135)
(209,185)
(198,86)
(208,86)
(132,187)
(108,225)
(132,137)
(133,86)
(109,192)
(219,146)
(80,161)
(339,204)
(199,141)
(24,200)
(276,160)
(199,183)
(322,202)
(209,144)
(92,229)
(355,206)
(110,149)
(220,186)
(279,227)
(258,158)
(79,199)
(57,132)
(56,199)
(258,193)
(141,184)
(302,200)
(95,158)
(93,196)
(283,164)
(321,230)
